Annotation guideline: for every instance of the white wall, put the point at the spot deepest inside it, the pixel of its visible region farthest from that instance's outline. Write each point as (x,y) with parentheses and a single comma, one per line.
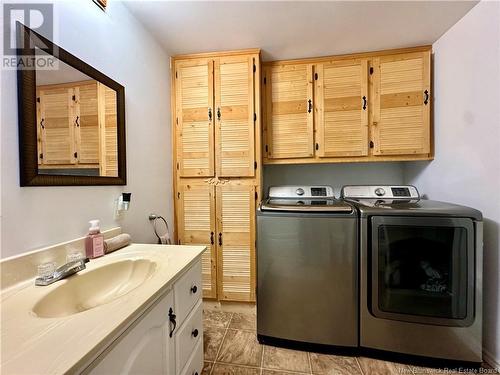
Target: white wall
(466,168)
(335,175)
(119,46)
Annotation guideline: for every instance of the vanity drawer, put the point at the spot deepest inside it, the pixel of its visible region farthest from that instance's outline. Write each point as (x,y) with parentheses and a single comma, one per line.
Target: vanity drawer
(187,291)
(189,334)
(195,363)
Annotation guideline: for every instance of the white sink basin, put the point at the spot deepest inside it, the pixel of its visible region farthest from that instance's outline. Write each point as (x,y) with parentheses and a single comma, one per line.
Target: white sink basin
(82,292)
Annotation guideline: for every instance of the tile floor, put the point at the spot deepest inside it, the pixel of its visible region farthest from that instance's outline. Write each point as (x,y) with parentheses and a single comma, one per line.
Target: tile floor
(231,348)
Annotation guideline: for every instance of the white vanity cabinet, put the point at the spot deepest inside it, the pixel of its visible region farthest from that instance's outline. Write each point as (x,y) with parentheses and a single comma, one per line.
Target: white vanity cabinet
(166,339)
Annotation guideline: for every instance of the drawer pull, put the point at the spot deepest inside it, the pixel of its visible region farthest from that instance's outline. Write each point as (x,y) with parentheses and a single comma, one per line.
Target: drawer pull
(194,289)
(195,373)
(171,318)
(195,333)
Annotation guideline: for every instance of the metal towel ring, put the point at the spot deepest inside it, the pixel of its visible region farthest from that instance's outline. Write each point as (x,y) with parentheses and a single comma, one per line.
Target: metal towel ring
(154,218)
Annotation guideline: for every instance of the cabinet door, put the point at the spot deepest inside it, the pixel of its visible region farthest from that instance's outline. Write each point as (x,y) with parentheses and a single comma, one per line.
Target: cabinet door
(146,348)
(108,135)
(87,123)
(401,116)
(57,133)
(288,111)
(342,108)
(194,121)
(234,133)
(236,240)
(196,226)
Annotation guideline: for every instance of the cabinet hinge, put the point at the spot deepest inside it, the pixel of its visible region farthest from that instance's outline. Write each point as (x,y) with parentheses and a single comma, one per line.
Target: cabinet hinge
(254,117)
(178,195)
(75,154)
(177,165)
(371,70)
(267,148)
(265,80)
(315,76)
(254,68)
(254,165)
(175,74)
(41,156)
(38,100)
(256,195)
(177,120)
(371,144)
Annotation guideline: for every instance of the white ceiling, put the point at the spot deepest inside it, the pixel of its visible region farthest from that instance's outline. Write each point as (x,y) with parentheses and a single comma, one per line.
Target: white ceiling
(286,29)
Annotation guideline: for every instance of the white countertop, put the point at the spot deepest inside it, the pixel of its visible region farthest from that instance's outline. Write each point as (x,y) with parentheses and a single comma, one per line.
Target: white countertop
(34,345)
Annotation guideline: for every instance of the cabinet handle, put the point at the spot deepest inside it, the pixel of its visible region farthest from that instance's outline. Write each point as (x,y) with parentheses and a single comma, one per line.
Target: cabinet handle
(220,239)
(76,121)
(171,318)
(194,289)
(210,114)
(309,106)
(195,373)
(195,333)
(426,100)
(41,123)
(218,113)
(211,238)
(364,103)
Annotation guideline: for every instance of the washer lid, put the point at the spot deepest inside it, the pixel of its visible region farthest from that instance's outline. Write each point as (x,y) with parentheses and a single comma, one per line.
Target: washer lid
(306,205)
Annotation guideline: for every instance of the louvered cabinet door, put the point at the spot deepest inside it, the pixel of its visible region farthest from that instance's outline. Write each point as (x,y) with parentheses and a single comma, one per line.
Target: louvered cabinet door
(108,135)
(194,120)
(236,241)
(196,226)
(57,126)
(86,122)
(289,111)
(234,132)
(401,117)
(342,108)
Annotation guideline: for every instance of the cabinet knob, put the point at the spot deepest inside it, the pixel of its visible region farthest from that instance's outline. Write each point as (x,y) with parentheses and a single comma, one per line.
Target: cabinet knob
(194,289)
(195,333)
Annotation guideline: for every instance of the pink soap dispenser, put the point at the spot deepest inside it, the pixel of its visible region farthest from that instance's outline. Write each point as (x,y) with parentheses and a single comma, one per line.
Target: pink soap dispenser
(94,242)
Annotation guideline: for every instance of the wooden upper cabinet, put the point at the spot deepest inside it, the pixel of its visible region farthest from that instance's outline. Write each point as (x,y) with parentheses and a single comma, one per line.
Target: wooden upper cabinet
(194,118)
(235,129)
(87,123)
(289,111)
(56,124)
(342,108)
(401,112)
(236,240)
(196,226)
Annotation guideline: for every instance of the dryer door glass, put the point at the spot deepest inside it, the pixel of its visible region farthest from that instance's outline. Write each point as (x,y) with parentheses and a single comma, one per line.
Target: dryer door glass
(421,269)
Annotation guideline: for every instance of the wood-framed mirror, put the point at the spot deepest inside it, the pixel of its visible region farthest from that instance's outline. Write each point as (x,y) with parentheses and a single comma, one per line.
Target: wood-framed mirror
(71,118)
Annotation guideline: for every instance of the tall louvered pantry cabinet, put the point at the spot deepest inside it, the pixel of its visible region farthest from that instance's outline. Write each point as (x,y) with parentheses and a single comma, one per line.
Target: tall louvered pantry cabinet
(217,165)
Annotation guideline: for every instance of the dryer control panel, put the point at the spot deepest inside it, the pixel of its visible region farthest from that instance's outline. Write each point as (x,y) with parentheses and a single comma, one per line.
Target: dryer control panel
(380,192)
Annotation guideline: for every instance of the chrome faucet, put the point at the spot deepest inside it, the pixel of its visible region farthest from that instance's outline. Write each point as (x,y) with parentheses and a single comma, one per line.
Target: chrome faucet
(62,272)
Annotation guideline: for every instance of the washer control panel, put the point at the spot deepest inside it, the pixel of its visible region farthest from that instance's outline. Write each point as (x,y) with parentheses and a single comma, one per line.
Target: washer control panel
(317,191)
(380,191)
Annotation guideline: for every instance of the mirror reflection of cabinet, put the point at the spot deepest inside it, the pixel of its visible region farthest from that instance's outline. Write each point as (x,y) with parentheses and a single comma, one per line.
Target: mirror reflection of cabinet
(77,127)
